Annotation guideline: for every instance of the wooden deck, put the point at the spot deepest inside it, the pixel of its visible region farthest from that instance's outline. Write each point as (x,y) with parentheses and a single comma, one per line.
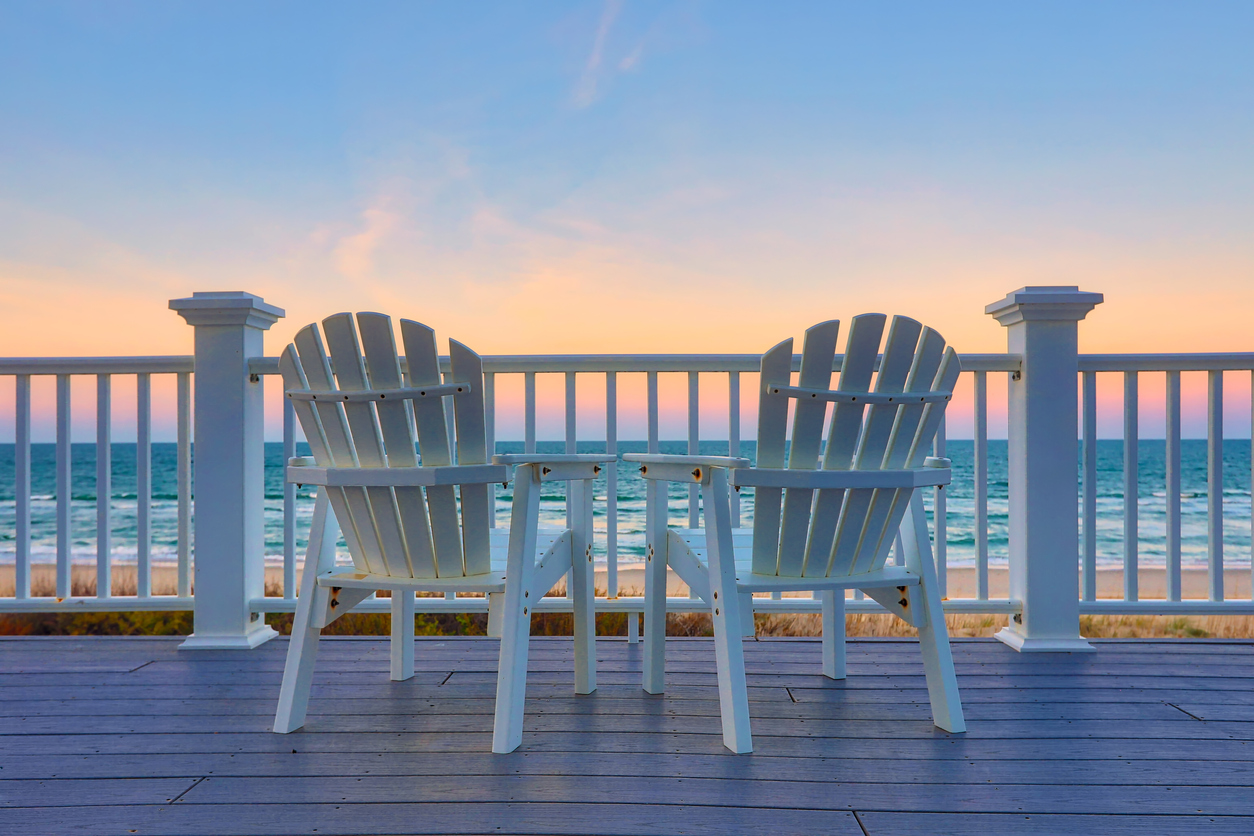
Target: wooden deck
(126,736)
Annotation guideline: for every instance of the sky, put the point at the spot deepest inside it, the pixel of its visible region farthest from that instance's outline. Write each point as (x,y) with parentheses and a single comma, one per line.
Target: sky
(626,176)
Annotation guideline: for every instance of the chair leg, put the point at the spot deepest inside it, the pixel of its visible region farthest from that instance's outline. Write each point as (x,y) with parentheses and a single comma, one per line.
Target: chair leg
(311,607)
(747,627)
(582,591)
(511,677)
(654,662)
(302,653)
(833,633)
(402,644)
(729,652)
(938,660)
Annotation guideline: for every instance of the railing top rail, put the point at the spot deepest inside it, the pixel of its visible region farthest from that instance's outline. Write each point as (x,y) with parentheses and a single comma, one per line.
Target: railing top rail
(1214,362)
(170,364)
(627,363)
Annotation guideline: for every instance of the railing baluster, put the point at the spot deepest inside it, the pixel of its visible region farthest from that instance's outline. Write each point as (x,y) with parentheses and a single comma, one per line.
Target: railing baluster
(940,523)
(104,486)
(289,503)
(571,446)
(981,485)
(733,435)
(694,443)
(21,462)
(1215,484)
(185,484)
(611,487)
(489,426)
(143,485)
(1172,452)
(1088,566)
(64,486)
(1131,490)
(529,412)
(651,378)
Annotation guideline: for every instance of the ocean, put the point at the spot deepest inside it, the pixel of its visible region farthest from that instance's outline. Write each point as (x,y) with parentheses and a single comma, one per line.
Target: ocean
(1151,501)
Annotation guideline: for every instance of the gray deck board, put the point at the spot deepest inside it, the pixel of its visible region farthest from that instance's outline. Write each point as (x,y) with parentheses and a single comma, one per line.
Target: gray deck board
(132,735)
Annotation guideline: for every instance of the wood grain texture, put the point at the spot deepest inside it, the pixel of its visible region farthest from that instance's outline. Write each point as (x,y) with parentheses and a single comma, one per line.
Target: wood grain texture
(102,735)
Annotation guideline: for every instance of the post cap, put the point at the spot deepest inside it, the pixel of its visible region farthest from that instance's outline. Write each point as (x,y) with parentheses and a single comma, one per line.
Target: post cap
(229,307)
(1059,303)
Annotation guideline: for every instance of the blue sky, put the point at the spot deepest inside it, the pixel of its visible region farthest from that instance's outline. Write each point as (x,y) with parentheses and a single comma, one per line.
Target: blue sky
(612,168)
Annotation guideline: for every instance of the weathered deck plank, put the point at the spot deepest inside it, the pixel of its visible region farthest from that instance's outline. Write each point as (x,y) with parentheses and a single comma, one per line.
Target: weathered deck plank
(122,735)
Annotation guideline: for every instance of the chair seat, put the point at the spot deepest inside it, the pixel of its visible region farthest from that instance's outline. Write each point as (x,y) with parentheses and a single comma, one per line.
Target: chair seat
(748,581)
(493,581)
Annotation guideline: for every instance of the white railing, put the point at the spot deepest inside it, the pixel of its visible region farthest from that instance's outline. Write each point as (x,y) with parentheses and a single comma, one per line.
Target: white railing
(1034,567)
(104,369)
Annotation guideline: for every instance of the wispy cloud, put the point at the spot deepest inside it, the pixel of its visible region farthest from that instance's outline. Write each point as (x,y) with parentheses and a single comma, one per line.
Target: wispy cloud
(585,92)
(354,254)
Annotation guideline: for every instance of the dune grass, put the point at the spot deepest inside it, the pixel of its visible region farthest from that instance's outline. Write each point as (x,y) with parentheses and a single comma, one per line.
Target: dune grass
(83,582)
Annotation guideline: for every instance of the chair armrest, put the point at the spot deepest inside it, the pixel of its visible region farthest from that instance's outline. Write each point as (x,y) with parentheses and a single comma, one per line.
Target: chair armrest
(765,477)
(559,467)
(398,477)
(691,461)
(668,468)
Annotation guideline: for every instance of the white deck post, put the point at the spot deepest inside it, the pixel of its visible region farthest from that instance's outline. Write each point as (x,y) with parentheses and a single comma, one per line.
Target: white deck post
(229,462)
(1042,326)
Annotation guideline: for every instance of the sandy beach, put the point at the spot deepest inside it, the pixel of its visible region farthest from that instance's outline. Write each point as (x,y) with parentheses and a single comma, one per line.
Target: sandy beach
(1152,582)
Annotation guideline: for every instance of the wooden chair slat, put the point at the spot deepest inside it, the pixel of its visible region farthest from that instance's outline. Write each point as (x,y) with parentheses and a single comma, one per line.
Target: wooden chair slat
(817,352)
(772,440)
(861,350)
(946,379)
(397,424)
(433,446)
(472,448)
(927,362)
(350,376)
(317,368)
(379,521)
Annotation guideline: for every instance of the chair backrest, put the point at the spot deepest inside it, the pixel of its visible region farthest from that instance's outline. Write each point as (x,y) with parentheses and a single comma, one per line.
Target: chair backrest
(835,532)
(396,531)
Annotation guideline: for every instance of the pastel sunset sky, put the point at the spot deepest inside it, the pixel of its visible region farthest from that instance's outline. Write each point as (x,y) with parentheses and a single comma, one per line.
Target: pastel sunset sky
(626,176)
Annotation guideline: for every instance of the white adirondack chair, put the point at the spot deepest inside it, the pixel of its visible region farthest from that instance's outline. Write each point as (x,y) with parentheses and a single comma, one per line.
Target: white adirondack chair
(823,526)
(399,513)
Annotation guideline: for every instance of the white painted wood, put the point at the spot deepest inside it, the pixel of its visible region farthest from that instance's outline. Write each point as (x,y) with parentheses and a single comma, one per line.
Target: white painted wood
(833,633)
(511,682)
(694,442)
(365,462)
(401,647)
(289,504)
(581,587)
(656,559)
(651,408)
(1131,489)
(104,486)
(143,485)
(728,651)
(302,651)
(183,472)
(1042,327)
(611,488)
(21,504)
(230,467)
(433,444)
(472,449)
(1088,516)
(818,350)
(64,483)
(939,514)
(772,430)
(938,663)
(733,436)
(1172,445)
(1214,484)
(489,417)
(529,412)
